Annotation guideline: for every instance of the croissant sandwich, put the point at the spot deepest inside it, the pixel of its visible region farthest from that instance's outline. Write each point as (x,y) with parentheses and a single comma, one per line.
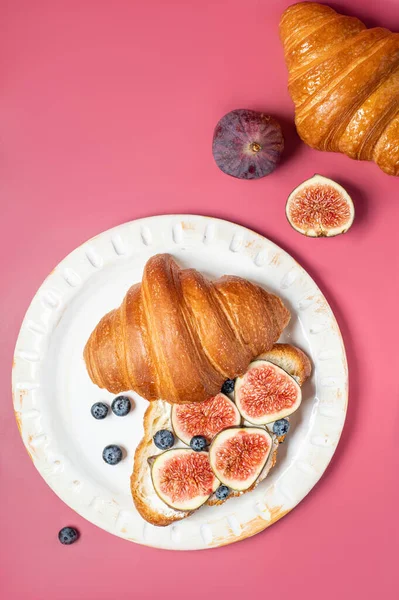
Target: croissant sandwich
(344,81)
(162,416)
(178,336)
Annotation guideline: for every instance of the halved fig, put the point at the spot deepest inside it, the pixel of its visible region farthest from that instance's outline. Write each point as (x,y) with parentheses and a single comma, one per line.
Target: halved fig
(266,393)
(320,207)
(183,479)
(205,418)
(238,455)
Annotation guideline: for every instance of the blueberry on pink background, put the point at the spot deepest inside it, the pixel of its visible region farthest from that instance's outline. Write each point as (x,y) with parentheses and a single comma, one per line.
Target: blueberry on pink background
(68,535)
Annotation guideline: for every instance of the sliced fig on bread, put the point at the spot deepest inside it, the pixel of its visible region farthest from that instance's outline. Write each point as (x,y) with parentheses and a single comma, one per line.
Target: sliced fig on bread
(266,393)
(205,418)
(239,454)
(183,479)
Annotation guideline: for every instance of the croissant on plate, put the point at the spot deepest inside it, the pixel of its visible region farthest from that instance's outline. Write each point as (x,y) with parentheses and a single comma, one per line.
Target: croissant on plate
(344,81)
(178,336)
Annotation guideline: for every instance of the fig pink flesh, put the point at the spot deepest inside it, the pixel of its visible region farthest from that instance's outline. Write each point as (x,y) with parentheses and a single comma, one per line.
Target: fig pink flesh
(204,418)
(267,390)
(185,477)
(319,206)
(239,457)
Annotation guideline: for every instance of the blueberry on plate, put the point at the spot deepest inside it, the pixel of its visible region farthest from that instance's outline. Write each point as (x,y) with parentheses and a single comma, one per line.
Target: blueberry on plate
(99,410)
(68,535)
(112,454)
(198,443)
(164,439)
(222,492)
(228,386)
(121,406)
(281,427)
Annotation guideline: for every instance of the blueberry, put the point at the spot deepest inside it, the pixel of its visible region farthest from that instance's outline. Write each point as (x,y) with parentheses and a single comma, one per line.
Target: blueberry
(68,535)
(112,454)
(198,443)
(164,439)
(228,386)
(281,427)
(99,410)
(121,406)
(222,492)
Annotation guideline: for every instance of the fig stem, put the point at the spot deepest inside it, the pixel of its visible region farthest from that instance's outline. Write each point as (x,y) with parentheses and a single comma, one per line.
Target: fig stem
(255,147)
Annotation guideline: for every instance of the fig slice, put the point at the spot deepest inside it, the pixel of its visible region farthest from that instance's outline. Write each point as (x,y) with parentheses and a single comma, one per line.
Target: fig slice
(320,207)
(266,393)
(238,455)
(183,479)
(205,418)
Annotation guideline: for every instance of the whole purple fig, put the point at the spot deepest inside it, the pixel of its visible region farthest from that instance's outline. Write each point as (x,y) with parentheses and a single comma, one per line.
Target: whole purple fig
(247,144)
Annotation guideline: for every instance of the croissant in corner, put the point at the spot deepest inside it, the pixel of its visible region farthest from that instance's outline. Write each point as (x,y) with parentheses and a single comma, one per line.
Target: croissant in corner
(344,82)
(178,336)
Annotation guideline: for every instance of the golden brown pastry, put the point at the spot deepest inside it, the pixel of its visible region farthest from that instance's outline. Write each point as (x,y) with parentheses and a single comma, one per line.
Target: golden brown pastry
(177,336)
(344,81)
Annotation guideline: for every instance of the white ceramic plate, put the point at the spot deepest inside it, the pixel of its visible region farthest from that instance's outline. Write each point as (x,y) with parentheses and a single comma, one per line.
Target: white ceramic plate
(53,393)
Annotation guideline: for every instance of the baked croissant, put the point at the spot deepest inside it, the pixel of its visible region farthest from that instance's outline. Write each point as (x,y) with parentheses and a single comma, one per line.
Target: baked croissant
(344,81)
(177,336)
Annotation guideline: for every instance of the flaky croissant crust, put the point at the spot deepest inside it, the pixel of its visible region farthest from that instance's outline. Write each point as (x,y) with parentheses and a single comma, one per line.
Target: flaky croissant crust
(344,81)
(177,336)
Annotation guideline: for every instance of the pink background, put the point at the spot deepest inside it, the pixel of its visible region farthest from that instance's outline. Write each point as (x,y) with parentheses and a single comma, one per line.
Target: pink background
(107,114)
